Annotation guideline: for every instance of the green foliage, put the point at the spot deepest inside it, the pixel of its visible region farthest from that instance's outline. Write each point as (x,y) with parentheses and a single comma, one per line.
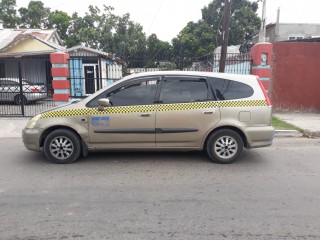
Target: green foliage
(35,16)
(59,20)
(129,41)
(244,20)
(103,30)
(113,34)
(196,39)
(158,52)
(8,13)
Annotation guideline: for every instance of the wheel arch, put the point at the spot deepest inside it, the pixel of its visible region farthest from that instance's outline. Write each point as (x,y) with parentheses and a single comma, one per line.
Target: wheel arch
(53,128)
(233,128)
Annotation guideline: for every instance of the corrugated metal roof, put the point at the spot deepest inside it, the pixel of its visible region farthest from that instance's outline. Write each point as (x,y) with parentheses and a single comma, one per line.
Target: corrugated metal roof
(53,45)
(76,49)
(10,36)
(7,36)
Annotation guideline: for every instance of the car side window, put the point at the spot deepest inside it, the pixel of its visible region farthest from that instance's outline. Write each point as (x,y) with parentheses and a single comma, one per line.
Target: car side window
(8,82)
(228,90)
(184,90)
(139,92)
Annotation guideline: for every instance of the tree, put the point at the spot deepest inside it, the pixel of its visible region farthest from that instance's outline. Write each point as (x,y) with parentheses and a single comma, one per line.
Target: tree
(8,13)
(60,21)
(86,30)
(244,20)
(113,34)
(157,51)
(195,40)
(129,41)
(35,16)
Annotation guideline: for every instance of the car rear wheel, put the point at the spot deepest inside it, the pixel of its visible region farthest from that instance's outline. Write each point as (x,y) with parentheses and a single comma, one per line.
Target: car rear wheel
(20,99)
(62,146)
(224,146)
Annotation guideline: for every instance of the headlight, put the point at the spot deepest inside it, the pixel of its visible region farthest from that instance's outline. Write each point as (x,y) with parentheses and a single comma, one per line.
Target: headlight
(32,122)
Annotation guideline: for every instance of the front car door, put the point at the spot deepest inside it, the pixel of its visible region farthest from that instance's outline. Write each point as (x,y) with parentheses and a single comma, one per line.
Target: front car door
(130,120)
(186,113)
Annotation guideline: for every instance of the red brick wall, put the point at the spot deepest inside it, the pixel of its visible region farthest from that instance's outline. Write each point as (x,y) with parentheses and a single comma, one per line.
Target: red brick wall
(295,76)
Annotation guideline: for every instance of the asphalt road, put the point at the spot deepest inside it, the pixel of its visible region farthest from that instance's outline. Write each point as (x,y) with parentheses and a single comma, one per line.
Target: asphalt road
(270,193)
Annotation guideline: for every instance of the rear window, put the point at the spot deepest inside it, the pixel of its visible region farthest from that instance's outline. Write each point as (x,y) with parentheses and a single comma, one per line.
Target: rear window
(228,90)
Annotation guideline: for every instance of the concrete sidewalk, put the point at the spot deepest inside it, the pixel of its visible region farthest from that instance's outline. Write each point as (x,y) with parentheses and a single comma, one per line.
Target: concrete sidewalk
(12,127)
(309,122)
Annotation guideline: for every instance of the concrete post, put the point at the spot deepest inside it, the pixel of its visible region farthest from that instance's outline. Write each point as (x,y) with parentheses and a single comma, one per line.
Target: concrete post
(60,74)
(261,55)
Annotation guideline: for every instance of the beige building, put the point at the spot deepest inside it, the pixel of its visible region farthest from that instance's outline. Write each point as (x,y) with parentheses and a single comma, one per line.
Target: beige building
(29,41)
(276,32)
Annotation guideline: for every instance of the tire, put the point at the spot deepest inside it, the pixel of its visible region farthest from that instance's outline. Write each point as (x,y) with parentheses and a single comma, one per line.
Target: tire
(62,146)
(224,146)
(18,100)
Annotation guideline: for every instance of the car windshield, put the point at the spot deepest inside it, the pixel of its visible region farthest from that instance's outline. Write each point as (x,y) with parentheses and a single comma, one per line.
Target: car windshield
(27,82)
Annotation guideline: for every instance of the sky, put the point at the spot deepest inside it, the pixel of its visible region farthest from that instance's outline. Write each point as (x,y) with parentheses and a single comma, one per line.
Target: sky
(166,18)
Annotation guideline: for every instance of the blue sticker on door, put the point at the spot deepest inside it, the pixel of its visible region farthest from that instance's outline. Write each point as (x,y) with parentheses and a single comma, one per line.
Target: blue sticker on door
(100,121)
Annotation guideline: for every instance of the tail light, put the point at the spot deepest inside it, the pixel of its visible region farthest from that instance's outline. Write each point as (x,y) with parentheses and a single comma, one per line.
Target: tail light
(264,92)
(35,90)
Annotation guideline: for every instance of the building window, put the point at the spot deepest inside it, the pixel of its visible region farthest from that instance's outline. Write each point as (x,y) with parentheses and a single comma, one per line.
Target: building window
(295,38)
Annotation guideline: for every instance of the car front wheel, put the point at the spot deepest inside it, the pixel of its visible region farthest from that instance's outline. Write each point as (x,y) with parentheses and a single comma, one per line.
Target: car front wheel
(62,146)
(224,146)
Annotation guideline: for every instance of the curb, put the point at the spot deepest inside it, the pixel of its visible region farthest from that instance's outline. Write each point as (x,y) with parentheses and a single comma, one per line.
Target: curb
(311,134)
(288,133)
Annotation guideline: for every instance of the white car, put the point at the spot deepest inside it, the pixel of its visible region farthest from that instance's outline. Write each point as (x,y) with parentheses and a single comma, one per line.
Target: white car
(10,91)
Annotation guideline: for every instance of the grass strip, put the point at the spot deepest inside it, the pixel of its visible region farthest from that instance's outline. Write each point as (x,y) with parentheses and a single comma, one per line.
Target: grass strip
(279,124)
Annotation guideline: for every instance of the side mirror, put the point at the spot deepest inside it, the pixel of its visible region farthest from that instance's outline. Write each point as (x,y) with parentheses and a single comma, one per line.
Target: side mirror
(103,103)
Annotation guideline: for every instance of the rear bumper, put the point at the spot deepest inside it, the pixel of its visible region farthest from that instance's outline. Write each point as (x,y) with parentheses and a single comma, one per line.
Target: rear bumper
(260,136)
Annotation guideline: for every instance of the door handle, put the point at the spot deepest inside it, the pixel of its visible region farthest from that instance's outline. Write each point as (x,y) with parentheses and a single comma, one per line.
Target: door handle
(209,112)
(145,115)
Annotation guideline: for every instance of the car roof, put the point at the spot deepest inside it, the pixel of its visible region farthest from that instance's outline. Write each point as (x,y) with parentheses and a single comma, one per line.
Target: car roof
(12,79)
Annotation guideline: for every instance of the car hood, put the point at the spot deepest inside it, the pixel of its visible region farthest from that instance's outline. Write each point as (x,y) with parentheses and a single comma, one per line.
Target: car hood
(66,106)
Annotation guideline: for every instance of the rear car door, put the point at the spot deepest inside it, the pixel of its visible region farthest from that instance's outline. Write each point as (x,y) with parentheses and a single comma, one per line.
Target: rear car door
(130,121)
(186,112)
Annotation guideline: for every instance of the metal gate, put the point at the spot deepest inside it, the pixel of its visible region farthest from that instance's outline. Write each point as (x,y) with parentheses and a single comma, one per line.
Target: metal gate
(25,85)
(236,63)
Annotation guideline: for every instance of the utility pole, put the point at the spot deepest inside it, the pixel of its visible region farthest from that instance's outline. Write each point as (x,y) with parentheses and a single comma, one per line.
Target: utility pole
(225,34)
(277,25)
(262,33)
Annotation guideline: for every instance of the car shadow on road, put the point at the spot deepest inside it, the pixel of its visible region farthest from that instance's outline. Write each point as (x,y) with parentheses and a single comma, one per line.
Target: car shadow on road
(252,157)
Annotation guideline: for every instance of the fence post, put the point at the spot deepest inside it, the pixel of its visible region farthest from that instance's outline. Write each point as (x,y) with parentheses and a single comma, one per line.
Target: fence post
(261,55)
(60,74)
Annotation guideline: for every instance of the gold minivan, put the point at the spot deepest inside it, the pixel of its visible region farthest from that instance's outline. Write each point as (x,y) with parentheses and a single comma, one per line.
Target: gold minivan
(219,113)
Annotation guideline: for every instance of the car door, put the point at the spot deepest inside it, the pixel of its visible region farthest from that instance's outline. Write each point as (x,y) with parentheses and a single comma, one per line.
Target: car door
(130,120)
(186,113)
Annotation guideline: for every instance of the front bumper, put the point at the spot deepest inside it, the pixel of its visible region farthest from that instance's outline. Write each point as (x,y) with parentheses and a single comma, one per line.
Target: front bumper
(31,138)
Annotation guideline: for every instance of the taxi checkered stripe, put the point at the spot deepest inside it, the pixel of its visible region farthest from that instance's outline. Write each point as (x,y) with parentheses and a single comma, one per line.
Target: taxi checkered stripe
(250,103)
(150,108)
